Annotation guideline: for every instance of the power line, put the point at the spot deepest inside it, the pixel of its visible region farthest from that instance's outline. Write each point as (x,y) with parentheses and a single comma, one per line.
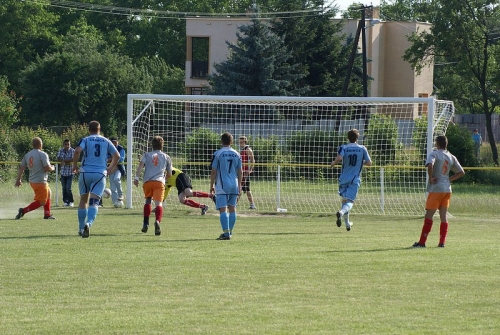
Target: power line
(116,10)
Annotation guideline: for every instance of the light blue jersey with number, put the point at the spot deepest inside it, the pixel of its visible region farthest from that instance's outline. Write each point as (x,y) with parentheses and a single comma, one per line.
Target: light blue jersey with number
(96,149)
(227,162)
(353,156)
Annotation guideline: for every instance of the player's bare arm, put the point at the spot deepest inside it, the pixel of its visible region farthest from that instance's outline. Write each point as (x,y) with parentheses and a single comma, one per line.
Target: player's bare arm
(114,160)
(251,161)
(138,173)
(76,157)
(430,171)
(337,160)
(240,180)
(49,168)
(213,174)
(19,175)
(457,175)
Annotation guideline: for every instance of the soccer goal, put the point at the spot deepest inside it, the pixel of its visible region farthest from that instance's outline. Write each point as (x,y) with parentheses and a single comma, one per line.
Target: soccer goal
(294,140)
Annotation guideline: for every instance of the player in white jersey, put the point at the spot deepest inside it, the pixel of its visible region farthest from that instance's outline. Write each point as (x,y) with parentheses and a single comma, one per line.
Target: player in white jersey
(353,157)
(155,163)
(38,164)
(93,171)
(439,163)
(225,183)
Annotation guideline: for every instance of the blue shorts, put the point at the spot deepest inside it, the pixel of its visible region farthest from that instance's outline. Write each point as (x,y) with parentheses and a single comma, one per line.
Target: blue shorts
(91,182)
(224,200)
(349,191)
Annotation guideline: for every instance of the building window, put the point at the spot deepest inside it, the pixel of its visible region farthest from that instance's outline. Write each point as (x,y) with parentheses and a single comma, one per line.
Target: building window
(422,108)
(199,57)
(199,91)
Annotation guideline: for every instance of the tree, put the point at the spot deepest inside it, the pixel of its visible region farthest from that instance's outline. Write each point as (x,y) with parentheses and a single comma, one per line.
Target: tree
(9,110)
(464,33)
(27,32)
(406,10)
(83,81)
(166,79)
(318,45)
(257,65)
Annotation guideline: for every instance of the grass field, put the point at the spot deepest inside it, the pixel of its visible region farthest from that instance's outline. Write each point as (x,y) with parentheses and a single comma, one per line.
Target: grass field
(278,275)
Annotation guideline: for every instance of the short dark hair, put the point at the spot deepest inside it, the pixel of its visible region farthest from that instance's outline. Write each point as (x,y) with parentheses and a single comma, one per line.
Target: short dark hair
(113,139)
(94,126)
(353,135)
(441,142)
(157,143)
(226,138)
(66,140)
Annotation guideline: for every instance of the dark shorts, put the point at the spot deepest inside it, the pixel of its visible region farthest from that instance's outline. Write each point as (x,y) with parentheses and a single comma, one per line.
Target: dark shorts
(245,184)
(182,182)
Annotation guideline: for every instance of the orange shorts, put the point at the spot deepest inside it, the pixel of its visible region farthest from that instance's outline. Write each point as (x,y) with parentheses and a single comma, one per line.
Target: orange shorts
(154,189)
(42,191)
(436,200)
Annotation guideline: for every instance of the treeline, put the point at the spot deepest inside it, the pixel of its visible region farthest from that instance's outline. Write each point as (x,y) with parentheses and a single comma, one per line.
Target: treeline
(60,65)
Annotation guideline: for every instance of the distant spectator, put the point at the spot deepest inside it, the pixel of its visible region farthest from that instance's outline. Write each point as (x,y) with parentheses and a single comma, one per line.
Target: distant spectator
(65,157)
(478,141)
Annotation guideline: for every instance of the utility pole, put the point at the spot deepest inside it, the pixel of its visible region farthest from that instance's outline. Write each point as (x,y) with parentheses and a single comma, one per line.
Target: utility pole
(359,31)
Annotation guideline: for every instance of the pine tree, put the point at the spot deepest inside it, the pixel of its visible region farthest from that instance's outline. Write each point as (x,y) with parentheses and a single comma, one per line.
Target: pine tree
(258,65)
(318,45)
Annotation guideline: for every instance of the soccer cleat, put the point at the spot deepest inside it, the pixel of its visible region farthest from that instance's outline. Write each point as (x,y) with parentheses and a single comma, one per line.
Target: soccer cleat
(86,231)
(339,216)
(144,228)
(71,204)
(224,237)
(418,245)
(348,226)
(49,217)
(20,213)
(157,228)
(441,245)
(66,204)
(252,206)
(204,209)
(214,198)
(80,232)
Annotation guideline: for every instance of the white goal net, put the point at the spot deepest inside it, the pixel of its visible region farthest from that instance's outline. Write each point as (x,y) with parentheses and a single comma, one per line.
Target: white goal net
(294,140)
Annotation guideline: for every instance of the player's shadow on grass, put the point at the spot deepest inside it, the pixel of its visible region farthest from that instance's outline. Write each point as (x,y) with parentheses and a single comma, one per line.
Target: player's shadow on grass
(155,239)
(34,237)
(368,250)
(278,234)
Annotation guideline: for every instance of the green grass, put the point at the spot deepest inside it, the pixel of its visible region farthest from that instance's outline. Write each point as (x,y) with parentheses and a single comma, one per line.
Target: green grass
(278,275)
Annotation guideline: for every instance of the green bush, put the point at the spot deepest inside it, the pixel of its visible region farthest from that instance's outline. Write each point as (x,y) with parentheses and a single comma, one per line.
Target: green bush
(461,145)
(199,148)
(75,133)
(381,140)
(308,147)
(265,151)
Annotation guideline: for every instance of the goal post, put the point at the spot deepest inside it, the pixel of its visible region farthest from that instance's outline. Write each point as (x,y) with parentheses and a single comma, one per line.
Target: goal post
(294,140)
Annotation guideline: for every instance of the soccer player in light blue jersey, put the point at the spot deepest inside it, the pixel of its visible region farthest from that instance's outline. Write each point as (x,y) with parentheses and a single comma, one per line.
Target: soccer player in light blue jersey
(353,157)
(93,171)
(225,183)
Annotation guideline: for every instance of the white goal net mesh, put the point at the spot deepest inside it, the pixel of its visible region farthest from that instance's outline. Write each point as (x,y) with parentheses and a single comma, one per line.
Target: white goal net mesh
(294,141)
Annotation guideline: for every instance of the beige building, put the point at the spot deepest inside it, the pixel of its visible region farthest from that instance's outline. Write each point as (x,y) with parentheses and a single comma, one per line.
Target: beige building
(386,43)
